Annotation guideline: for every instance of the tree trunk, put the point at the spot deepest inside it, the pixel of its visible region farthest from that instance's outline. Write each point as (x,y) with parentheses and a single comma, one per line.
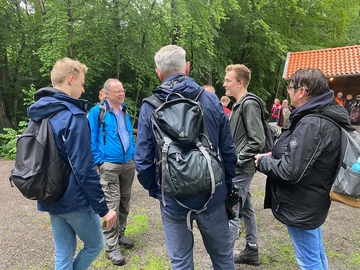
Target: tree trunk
(4,83)
(71,30)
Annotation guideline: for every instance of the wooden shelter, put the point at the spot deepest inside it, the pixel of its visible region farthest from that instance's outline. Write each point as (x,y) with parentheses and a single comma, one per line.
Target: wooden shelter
(340,65)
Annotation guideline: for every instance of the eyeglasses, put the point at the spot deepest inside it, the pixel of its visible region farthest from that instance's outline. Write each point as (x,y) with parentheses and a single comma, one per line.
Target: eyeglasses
(118,92)
(289,87)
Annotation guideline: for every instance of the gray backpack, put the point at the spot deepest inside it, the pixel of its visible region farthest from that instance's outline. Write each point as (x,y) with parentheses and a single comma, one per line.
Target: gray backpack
(346,186)
(187,164)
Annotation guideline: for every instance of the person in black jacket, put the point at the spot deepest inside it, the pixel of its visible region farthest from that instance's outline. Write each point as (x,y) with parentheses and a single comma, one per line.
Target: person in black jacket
(305,155)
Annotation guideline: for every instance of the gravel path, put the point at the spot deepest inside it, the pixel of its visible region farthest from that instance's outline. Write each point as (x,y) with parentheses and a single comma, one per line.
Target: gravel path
(26,240)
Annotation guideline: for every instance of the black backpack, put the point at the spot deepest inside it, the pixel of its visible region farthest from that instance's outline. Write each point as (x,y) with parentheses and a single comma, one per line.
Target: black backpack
(270,133)
(40,173)
(188,164)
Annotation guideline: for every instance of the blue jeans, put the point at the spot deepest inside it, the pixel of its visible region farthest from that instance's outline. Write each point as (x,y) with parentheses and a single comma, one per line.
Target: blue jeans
(214,230)
(84,223)
(245,211)
(309,249)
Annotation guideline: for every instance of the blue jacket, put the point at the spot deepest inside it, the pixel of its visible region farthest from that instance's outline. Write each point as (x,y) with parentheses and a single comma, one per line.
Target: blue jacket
(112,150)
(218,127)
(70,122)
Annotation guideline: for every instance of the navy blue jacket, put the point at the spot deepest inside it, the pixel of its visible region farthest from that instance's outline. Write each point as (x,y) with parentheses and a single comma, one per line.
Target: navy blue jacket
(218,127)
(70,122)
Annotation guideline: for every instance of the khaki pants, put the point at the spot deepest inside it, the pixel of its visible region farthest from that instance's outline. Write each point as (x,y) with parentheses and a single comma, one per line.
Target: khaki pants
(116,181)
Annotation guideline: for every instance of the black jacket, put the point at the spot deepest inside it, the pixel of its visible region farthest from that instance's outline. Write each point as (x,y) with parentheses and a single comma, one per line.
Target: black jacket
(306,151)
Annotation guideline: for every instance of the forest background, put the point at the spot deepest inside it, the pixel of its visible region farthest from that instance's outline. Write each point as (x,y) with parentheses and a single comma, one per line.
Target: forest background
(118,39)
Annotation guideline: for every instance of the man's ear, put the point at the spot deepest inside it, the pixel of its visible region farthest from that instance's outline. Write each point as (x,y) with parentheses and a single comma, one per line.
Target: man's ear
(70,79)
(187,69)
(303,92)
(159,74)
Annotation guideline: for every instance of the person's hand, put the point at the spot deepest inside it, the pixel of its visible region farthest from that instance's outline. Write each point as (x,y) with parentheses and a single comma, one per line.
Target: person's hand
(110,219)
(239,163)
(258,156)
(256,159)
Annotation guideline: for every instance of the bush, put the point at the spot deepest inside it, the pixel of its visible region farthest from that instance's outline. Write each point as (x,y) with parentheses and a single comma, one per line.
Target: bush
(8,141)
(8,138)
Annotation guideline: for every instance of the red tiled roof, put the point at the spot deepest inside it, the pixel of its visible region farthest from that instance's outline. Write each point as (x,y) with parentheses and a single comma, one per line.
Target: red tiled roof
(342,61)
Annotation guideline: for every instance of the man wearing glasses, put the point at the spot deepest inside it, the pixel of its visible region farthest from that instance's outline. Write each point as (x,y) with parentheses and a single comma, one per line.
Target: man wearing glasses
(303,163)
(113,148)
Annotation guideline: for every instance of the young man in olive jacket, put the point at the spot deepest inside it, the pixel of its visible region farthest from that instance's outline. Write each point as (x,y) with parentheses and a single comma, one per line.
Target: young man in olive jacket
(249,137)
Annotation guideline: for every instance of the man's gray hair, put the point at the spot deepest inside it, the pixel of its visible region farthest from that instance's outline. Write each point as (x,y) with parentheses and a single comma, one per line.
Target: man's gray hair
(108,83)
(171,59)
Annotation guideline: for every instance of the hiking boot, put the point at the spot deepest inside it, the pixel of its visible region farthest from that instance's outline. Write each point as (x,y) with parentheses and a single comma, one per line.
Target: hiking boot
(125,242)
(249,255)
(116,257)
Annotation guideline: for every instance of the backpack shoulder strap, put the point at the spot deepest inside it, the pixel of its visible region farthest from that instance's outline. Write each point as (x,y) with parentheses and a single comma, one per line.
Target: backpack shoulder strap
(101,120)
(327,187)
(153,100)
(200,92)
(102,112)
(251,96)
(325,117)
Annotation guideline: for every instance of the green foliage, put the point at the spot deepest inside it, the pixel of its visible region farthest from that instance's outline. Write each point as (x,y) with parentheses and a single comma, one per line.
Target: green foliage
(118,39)
(29,95)
(8,141)
(8,138)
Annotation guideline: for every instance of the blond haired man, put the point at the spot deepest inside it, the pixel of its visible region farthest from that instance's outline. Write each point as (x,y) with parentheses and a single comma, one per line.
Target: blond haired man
(248,133)
(77,212)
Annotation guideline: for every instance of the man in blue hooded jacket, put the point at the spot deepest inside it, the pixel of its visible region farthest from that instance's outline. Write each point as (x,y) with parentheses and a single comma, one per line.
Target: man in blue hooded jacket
(171,67)
(78,210)
(113,148)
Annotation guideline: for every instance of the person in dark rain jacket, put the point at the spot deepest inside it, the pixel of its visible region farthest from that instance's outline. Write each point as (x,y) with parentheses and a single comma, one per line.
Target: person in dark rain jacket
(303,160)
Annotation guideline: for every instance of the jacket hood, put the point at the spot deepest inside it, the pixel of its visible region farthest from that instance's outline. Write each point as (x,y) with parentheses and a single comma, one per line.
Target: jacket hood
(326,105)
(50,100)
(178,83)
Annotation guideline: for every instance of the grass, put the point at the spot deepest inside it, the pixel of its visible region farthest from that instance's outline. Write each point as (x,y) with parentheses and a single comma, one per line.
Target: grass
(137,228)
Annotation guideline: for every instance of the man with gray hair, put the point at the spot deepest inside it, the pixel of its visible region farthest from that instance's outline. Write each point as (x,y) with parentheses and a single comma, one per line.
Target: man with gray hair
(113,148)
(172,69)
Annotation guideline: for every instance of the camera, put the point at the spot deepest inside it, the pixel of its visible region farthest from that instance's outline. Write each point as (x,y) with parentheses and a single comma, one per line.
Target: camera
(232,199)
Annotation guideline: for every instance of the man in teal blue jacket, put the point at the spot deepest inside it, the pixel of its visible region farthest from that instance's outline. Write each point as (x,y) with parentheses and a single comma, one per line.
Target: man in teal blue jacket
(113,148)
(77,211)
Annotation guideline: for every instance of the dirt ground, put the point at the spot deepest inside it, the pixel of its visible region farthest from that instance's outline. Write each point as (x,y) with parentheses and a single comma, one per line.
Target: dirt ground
(26,240)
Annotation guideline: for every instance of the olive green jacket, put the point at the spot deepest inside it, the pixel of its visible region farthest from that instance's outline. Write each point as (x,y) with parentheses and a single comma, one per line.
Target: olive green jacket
(248,133)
